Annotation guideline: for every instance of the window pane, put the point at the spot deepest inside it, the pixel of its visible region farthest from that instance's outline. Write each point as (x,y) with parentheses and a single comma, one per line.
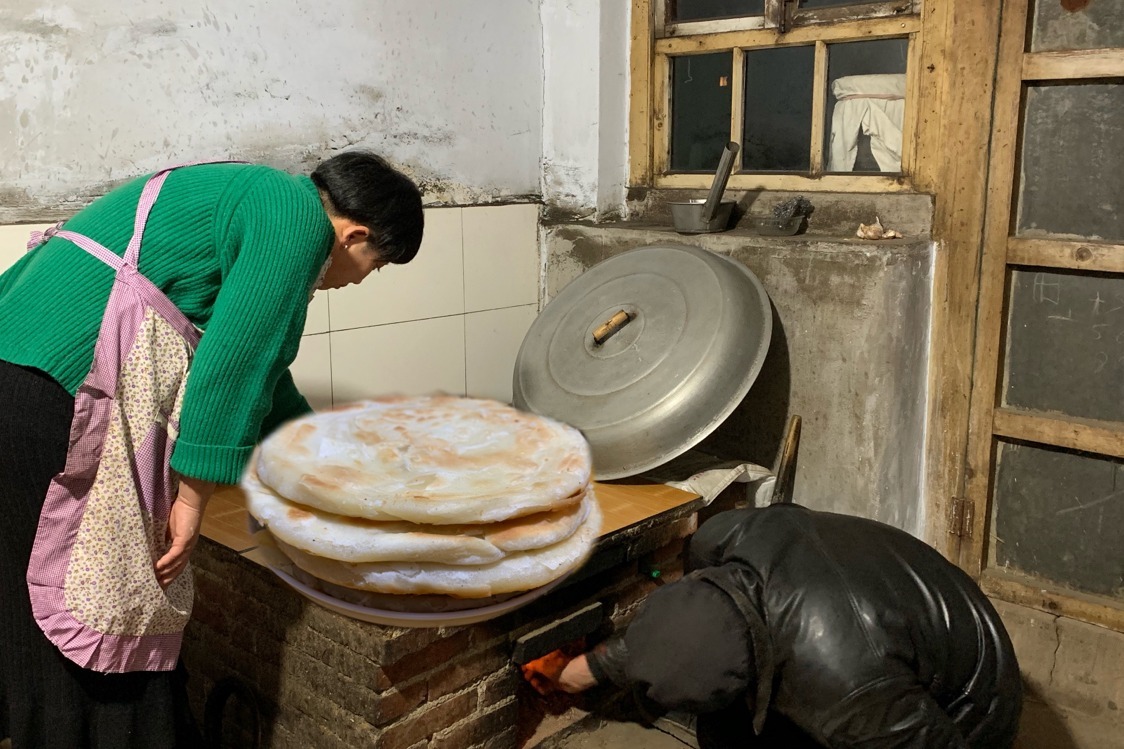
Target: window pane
(778,109)
(700,110)
(1095,25)
(1060,516)
(865,106)
(1065,344)
(700,10)
(1073,161)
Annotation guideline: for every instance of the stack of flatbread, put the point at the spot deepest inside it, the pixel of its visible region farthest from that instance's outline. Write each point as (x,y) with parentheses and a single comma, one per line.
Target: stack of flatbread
(426,503)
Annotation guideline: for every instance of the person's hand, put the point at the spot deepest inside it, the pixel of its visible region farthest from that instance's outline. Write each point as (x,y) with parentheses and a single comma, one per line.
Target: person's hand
(184,522)
(576,676)
(543,673)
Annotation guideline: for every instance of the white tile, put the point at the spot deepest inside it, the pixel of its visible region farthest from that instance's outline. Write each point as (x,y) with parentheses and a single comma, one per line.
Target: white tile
(317,319)
(501,256)
(312,370)
(430,285)
(491,341)
(13,242)
(413,358)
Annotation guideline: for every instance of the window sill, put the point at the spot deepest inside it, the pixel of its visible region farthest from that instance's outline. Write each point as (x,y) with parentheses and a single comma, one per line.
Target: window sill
(836,215)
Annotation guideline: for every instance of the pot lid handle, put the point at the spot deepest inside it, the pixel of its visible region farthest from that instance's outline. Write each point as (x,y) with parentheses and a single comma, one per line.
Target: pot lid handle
(607,329)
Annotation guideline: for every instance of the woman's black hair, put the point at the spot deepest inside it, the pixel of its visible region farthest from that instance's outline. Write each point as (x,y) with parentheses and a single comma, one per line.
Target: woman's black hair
(364,188)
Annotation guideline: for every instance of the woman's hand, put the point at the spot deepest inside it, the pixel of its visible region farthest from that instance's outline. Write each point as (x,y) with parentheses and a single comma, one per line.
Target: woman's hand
(184,523)
(576,677)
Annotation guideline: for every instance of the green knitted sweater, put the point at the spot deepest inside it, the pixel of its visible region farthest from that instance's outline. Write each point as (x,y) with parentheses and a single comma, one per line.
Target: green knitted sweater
(237,249)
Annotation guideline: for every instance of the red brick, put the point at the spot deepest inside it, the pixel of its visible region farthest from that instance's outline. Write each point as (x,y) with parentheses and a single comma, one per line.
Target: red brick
(394,703)
(396,644)
(428,658)
(465,671)
(428,720)
(668,553)
(500,687)
(339,658)
(478,728)
(306,709)
(507,739)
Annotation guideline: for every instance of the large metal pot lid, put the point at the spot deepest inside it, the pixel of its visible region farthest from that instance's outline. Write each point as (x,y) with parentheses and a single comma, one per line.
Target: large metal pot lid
(696,334)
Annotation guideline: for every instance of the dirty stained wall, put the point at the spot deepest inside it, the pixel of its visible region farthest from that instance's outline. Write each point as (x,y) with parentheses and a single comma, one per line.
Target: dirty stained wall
(585,107)
(93,92)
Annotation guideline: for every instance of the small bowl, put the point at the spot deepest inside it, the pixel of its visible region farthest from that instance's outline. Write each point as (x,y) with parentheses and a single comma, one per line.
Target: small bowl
(687,216)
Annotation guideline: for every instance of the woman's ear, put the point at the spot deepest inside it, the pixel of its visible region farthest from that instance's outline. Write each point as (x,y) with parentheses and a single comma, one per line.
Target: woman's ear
(353,234)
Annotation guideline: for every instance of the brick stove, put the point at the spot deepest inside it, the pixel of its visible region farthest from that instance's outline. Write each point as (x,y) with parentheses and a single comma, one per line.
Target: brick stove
(325,681)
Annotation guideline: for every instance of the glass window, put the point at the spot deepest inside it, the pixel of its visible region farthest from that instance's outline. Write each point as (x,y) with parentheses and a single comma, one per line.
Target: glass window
(1071,177)
(865,106)
(1077,24)
(1059,516)
(777,136)
(705,10)
(700,110)
(1065,344)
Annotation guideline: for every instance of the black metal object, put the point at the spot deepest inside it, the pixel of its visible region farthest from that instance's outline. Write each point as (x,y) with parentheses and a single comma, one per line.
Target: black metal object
(786,464)
(551,637)
(215,707)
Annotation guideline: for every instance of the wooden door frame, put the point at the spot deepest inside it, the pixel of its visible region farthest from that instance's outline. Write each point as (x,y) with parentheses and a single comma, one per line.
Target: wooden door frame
(1016,67)
(958,67)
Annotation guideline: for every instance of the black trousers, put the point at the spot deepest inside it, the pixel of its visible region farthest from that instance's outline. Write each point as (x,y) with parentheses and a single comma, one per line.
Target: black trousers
(46,701)
(732,728)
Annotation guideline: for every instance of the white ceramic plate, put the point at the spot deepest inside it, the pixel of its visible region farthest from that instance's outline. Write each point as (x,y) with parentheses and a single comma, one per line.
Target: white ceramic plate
(408,619)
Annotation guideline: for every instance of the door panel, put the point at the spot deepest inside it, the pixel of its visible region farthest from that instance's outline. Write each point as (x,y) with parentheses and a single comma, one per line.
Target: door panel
(1045,462)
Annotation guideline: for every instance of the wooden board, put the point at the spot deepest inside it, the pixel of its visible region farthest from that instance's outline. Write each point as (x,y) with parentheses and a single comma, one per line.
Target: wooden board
(622,504)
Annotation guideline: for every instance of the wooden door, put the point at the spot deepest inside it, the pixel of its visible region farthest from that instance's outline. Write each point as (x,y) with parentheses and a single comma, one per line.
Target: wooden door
(1043,519)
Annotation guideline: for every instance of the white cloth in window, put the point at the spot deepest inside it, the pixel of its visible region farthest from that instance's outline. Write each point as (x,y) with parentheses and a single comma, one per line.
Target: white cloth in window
(872,105)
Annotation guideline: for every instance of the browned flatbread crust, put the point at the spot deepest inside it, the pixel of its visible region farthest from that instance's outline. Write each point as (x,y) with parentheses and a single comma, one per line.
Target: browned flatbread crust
(427,459)
(360,540)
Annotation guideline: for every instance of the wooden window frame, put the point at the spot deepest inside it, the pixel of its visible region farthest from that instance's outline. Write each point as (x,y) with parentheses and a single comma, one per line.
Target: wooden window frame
(1003,250)
(653,44)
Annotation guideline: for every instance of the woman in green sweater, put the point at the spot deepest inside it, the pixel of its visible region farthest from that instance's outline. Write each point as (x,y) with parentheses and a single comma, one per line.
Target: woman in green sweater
(238,249)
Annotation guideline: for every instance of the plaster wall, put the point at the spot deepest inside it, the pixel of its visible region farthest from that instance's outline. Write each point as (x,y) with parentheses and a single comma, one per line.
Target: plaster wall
(97,91)
(848,354)
(585,106)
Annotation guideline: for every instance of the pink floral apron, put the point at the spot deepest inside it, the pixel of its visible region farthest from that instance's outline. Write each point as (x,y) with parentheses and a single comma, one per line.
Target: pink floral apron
(103,524)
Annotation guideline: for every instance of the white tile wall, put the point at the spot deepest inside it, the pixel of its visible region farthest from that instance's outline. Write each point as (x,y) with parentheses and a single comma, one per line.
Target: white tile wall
(498,270)
(491,340)
(13,242)
(317,319)
(452,320)
(312,371)
(430,285)
(415,357)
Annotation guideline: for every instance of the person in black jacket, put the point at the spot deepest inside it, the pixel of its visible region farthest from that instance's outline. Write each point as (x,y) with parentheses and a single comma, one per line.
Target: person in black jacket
(797,628)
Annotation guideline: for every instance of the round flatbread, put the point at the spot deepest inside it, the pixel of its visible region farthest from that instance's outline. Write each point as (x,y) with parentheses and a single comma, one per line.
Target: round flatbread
(427,459)
(522,570)
(404,604)
(359,540)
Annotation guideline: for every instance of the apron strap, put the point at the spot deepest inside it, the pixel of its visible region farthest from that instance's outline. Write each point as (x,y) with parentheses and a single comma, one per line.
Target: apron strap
(148,199)
(97,250)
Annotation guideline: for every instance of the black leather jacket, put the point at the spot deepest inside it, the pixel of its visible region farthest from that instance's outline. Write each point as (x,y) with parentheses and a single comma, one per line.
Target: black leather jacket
(858,633)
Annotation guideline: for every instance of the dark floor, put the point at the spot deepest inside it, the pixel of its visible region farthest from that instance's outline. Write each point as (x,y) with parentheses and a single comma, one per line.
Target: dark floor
(614,728)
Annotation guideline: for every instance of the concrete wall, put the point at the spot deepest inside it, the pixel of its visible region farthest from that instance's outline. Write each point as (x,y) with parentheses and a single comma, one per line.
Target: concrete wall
(1073,674)
(848,354)
(94,92)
